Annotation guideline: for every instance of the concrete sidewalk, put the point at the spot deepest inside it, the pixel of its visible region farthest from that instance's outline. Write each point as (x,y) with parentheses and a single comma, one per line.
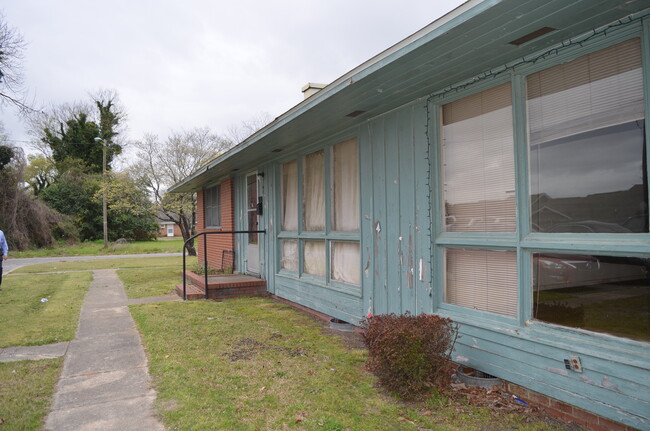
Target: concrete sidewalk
(105,382)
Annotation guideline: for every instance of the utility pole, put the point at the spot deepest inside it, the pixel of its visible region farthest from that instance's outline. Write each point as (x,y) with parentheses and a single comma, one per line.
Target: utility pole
(104,205)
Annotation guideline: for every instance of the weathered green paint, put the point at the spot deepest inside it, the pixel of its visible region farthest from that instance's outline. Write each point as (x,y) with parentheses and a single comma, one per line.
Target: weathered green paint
(401,239)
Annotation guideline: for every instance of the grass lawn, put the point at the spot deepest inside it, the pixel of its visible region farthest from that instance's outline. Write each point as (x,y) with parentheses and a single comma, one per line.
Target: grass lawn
(87,265)
(252,363)
(146,282)
(26,321)
(96,248)
(25,393)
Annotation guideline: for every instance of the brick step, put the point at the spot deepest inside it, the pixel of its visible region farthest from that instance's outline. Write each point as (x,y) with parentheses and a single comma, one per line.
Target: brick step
(191,291)
(223,286)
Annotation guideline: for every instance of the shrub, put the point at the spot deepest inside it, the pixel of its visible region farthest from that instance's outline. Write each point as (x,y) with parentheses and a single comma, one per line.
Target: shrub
(408,353)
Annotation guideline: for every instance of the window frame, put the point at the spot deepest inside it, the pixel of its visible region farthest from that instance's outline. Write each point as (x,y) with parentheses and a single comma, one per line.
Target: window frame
(328,235)
(524,241)
(214,206)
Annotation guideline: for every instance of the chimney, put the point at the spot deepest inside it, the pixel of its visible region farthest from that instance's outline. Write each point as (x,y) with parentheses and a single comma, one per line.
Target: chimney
(311,88)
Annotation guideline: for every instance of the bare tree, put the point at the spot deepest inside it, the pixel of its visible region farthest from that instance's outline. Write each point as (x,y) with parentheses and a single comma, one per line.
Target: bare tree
(12,45)
(164,163)
(237,133)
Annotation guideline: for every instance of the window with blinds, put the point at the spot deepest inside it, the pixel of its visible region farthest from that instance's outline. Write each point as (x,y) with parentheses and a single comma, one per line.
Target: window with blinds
(479,174)
(586,137)
(482,280)
(212,206)
(479,196)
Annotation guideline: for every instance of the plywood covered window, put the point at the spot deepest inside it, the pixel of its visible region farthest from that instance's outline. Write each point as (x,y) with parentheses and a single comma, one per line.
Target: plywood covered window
(212,206)
(320,236)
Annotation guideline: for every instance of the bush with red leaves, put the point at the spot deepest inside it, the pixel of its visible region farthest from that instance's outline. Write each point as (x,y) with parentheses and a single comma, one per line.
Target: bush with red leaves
(408,353)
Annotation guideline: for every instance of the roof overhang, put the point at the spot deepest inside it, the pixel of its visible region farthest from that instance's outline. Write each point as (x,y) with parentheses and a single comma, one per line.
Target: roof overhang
(475,37)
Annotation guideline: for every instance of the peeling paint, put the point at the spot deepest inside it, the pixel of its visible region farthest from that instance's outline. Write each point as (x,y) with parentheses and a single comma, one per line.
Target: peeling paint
(409,275)
(367,217)
(559,371)
(395,182)
(607,384)
(588,380)
(421,270)
(366,270)
(460,358)
(378,227)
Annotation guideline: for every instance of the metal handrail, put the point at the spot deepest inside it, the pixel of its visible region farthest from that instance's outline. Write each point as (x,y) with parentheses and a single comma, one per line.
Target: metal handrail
(205,253)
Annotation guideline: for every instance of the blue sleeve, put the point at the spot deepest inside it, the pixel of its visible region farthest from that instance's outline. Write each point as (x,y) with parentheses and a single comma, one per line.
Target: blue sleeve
(3,244)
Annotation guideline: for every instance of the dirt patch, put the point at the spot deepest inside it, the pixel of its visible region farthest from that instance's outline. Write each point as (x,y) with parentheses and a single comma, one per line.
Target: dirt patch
(245,349)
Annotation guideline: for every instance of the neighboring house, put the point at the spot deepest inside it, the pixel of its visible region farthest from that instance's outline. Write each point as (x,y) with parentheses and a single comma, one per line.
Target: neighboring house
(414,183)
(167,228)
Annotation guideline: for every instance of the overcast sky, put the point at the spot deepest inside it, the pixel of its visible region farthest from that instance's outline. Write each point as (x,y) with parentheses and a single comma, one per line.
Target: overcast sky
(180,64)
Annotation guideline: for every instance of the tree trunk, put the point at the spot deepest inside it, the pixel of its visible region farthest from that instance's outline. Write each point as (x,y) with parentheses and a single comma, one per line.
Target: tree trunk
(186,231)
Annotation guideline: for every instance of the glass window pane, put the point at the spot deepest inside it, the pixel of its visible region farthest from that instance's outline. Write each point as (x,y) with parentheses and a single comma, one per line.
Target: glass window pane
(313,192)
(478,155)
(212,206)
(289,259)
(251,191)
(252,225)
(587,140)
(483,280)
(345,262)
(345,187)
(607,294)
(314,258)
(290,196)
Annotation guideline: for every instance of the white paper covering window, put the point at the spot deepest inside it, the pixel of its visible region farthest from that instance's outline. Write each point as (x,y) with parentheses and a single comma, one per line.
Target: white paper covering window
(479,178)
(314,262)
(289,259)
(313,175)
(482,280)
(345,187)
(290,196)
(345,262)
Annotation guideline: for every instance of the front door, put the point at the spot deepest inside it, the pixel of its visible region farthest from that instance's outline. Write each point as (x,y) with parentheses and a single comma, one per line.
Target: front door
(170,230)
(252,246)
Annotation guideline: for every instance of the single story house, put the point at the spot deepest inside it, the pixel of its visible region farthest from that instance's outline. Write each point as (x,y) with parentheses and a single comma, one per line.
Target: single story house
(167,228)
(491,168)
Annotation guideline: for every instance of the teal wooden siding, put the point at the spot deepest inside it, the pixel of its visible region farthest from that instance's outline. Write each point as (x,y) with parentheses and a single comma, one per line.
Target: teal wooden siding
(402,262)
(395,212)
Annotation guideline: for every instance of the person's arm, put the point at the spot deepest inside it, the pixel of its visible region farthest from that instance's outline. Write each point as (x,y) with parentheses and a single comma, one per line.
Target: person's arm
(5,247)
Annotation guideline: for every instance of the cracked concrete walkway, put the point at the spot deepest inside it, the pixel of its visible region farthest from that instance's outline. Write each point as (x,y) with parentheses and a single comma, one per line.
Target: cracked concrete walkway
(105,383)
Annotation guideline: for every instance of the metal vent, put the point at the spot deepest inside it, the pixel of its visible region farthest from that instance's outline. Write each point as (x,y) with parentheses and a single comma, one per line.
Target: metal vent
(530,36)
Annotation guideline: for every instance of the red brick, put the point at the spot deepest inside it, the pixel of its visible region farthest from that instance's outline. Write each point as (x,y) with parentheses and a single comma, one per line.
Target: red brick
(585,416)
(611,425)
(560,406)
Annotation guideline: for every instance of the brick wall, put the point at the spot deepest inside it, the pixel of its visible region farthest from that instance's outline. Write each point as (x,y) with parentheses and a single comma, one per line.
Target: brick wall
(218,243)
(566,411)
